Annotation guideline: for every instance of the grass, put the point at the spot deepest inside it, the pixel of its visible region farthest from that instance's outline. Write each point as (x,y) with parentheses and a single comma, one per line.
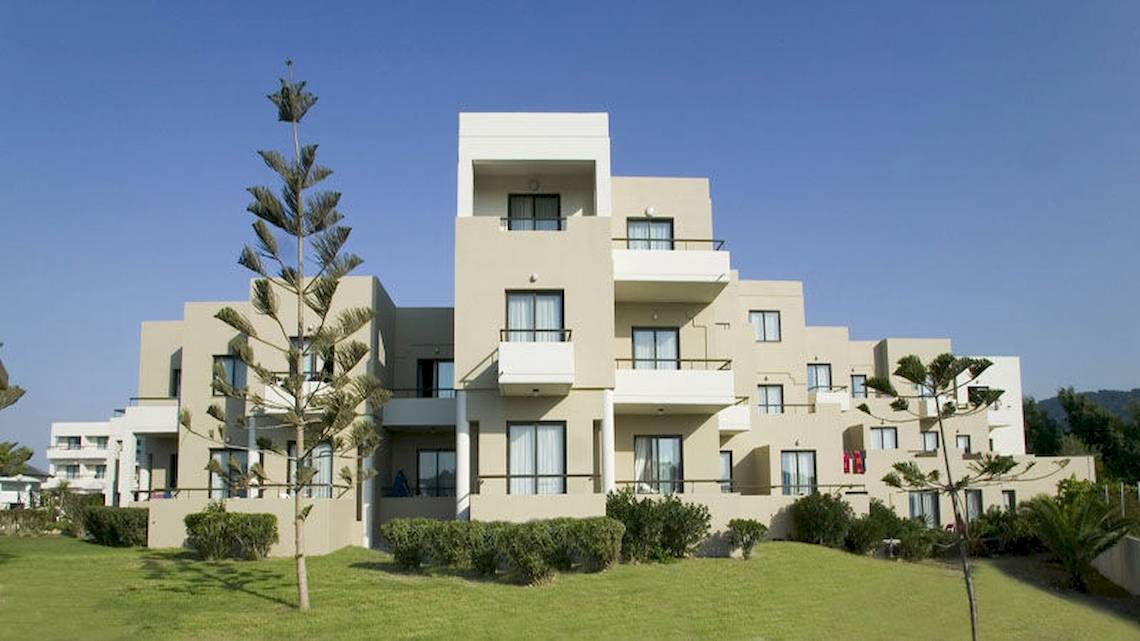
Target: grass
(59,588)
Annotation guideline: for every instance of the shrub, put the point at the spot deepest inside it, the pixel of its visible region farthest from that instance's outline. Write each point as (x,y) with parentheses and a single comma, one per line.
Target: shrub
(885,519)
(999,531)
(527,548)
(450,543)
(864,536)
(564,534)
(116,526)
(686,525)
(410,540)
(1076,527)
(916,541)
(822,519)
(599,543)
(486,546)
(215,533)
(26,522)
(641,540)
(745,534)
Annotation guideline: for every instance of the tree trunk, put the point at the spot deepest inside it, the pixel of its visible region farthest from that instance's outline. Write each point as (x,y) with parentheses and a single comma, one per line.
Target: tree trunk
(960,525)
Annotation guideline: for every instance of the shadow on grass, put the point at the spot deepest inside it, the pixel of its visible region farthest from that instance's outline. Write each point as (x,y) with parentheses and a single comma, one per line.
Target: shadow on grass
(5,557)
(395,569)
(1040,572)
(184,573)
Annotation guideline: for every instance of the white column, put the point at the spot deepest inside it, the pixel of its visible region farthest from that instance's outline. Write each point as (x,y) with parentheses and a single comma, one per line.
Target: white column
(253,454)
(462,458)
(366,507)
(128,480)
(608,483)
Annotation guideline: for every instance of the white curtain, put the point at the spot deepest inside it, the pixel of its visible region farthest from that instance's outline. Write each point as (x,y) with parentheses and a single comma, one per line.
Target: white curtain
(521,213)
(726,471)
(642,462)
(548,316)
(546,213)
(806,468)
(666,349)
(770,398)
(219,488)
(522,440)
(643,349)
(771,326)
(669,465)
(661,233)
(788,472)
(819,376)
(520,317)
(797,472)
(323,462)
(638,233)
(550,458)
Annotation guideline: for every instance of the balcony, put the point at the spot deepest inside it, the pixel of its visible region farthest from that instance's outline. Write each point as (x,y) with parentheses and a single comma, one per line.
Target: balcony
(835,395)
(673,270)
(735,419)
(682,386)
(535,362)
(420,408)
(78,453)
(276,398)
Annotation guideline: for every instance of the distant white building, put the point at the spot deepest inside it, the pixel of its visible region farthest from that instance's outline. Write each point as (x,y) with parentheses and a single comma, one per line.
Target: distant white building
(22,490)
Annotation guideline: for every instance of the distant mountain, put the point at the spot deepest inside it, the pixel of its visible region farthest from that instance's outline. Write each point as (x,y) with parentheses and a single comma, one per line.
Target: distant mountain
(1115,401)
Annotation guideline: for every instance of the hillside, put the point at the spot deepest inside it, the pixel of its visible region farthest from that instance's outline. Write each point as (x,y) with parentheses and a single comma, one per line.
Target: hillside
(1115,401)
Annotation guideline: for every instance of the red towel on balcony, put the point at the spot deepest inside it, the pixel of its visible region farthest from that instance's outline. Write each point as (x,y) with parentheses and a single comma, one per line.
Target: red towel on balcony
(859,469)
(846,462)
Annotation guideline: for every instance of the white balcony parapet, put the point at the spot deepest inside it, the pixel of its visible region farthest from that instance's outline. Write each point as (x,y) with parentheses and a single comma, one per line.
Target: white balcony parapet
(734,419)
(419,412)
(836,396)
(676,391)
(536,368)
(696,275)
(81,453)
(275,395)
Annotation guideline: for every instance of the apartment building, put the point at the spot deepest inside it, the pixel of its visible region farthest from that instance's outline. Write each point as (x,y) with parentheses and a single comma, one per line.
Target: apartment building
(599,339)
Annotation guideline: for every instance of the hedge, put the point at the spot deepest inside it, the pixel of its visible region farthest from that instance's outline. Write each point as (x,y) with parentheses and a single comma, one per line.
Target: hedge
(116,526)
(26,521)
(215,533)
(657,528)
(822,519)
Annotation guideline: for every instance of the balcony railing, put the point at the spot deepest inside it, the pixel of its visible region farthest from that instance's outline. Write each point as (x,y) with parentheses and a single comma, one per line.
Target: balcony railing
(534,335)
(670,244)
(422,392)
(518,223)
(690,485)
(707,364)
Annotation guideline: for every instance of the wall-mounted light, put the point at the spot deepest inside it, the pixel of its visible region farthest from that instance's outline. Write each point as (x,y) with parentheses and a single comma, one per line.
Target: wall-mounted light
(534,278)
(650,212)
(533,185)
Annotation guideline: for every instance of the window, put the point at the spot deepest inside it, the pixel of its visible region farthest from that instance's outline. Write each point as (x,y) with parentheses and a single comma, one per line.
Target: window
(766,326)
(175,382)
(797,472)
(963,441)
(976,394)
(650,234)
(435,473)
(527,212)
(819,377)
(313,365)
(100,442)
(924,507)
(770,399)
(436,378)
(884,438)
(70,442)
(233,371)
(536,458)
(71,471)
(172,473)
(929,441)
(726,471)
(1009,499)
(100,471)
(858,386)
(321,459)
(923,390)
(973,504)
(656,348)
(535,317)
(232,463)
(658,464)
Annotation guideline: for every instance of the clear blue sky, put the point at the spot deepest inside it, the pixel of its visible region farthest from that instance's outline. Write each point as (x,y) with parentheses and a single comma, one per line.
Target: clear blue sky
(969,170)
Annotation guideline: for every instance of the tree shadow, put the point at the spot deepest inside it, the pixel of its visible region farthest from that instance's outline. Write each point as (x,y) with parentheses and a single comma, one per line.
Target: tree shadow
(5,557)
(426,571)
(184,573)
(1038,571)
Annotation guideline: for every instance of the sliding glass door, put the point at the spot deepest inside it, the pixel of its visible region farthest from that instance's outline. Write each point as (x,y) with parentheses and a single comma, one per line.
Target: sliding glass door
(536,455)
(655,348)
(535,317)
(798,472)
(658,464)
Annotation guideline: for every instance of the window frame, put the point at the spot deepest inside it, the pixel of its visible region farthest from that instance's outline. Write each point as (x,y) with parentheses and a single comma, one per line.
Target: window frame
(227,491)
(533,294)
(763,330)
(654,480)
(630,239)
(932,519)
(765,408)
(1009,499)
(532,218)
(311,492)
(434,391)
(922,440)
(830,379)
(726,484)
(535,477)
(656,361)
(798,489)
(855,394)
(881,429)
(419,477)
(233,373)
(969,449)
(981,505)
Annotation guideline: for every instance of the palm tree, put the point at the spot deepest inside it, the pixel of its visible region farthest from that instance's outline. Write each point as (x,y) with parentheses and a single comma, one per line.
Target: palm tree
(1076,528)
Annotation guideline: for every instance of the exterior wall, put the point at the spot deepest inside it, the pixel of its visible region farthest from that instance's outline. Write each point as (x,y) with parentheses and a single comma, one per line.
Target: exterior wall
(160,353)
(1121,564)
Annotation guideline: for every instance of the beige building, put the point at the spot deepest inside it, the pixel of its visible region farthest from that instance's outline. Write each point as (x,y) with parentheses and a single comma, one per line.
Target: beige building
(600,339)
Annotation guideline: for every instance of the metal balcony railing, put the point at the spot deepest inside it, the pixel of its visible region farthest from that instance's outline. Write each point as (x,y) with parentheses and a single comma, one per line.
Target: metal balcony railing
(671,244)
(530,223)
(534,335)
(674,363)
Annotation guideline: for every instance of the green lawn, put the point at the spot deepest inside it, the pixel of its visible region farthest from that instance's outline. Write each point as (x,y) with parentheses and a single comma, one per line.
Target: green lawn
(58,588)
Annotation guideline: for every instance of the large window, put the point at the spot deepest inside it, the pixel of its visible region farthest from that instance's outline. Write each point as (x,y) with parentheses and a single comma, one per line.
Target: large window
(726,471)
(963,442)
(884,438)
(770,399)
(858,386)
(658,464)
(435,473)
(100,442)
(656,348)
(929,441)
(973,504)
(765,326)
(536,458)
(225,481)
(70,442)
(436,378)
(650,234)
(71,471)
(1009,499)
(924,506)
(797,472)
(233,371)
(527,212)
(819,377)
(321,459)
(535,317)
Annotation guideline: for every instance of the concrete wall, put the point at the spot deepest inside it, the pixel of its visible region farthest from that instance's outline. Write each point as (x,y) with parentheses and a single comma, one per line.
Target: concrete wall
(1121,564)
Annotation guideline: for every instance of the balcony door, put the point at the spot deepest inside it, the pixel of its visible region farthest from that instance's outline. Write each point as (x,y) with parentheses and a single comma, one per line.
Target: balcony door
(656,348)
(650,234)
(819,377)
(533,212)
(534,317)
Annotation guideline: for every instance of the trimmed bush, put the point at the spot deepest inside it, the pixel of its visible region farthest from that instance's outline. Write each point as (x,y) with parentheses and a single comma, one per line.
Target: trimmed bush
(215,533)
(27,522)
(450,543)
(686,525)
(823,519)
(657,528)
(598,543)
(745,534)
(1003,532)
(116,526)
(486,546)
(410,540)
(527,549)
(864,536)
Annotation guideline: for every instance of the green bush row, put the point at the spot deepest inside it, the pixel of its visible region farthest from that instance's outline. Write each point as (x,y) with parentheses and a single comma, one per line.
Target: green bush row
(116,526)
(26,522)
(215,533)
(657,529)
(529,552)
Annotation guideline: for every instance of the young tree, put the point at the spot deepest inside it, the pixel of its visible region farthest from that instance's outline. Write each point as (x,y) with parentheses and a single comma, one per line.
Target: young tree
(13,458)
(937,384)
(8,394)
(1042,434)
(335,406)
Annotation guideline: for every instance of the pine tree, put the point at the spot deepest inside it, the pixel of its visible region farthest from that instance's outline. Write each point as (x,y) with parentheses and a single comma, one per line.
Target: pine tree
(8,394)
(339,407)
(13,458)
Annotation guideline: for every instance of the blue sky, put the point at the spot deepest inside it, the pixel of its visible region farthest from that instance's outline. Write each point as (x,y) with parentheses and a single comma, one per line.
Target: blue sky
(927,169)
